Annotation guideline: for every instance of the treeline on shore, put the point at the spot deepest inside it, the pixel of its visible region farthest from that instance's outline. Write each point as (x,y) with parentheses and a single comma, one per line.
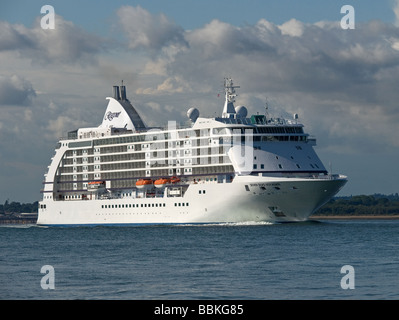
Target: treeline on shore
(373,205)
(17,207)
(377,204)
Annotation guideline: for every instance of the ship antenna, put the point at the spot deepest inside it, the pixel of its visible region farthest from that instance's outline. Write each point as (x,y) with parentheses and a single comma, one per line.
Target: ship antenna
(230,94)
(266,110)
(230,89)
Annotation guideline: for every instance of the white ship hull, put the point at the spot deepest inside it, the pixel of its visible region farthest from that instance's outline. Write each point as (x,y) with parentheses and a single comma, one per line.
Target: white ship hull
(247,198)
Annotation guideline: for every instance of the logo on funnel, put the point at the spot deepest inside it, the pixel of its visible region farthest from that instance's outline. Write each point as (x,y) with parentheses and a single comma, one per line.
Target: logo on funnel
(110,115)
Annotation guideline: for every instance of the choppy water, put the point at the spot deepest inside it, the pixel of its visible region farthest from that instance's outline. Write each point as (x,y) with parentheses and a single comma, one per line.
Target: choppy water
(231,261)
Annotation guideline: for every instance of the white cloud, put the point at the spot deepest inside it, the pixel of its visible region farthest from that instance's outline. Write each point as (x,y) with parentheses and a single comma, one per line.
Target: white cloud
(62,124)
(293,28)
(157,67)
(65,44)
(15,91)
(396,12)
(144,29)
(168,86)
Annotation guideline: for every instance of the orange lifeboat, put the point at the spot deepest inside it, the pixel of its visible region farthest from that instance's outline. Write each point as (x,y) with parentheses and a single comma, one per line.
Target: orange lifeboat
(161,182)
(96,182)
(143,183)
(175,180)
(95,185)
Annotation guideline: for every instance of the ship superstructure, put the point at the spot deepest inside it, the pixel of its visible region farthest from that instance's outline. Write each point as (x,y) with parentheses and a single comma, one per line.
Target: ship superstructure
(232,168)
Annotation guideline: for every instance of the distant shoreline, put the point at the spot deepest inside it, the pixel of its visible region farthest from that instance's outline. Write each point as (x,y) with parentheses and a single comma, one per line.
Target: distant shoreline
(17,219)
(32,220)
(347,217)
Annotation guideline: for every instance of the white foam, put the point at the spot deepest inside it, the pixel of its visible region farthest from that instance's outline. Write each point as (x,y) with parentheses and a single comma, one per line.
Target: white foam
(228,224)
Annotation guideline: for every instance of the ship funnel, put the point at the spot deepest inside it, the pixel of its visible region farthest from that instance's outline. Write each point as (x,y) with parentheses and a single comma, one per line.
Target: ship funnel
(116,93)
(123,92)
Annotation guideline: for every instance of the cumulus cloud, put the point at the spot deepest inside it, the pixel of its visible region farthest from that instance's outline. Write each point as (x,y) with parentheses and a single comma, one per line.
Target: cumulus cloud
(292,28)
(145,30)
(396,12)
(14,37)
(15,91)
(170,85)
(66,43)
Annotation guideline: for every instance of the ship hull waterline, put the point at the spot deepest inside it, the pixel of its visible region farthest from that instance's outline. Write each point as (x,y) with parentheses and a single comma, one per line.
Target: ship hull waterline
(247,199)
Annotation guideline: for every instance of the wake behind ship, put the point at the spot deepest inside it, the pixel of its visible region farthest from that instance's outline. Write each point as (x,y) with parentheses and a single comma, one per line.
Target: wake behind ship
(231,168)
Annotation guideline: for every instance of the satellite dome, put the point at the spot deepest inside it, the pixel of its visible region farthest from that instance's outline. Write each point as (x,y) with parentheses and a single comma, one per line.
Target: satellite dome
(193,114)
(241,111)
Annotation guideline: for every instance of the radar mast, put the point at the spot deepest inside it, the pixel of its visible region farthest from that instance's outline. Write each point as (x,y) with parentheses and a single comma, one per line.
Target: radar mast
(230,94)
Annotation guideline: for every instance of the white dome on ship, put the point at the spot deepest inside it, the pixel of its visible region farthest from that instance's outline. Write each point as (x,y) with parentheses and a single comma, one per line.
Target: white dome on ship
(193,114)
(241,111)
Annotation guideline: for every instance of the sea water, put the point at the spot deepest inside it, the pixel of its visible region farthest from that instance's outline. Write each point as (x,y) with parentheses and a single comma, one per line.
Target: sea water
(226,261)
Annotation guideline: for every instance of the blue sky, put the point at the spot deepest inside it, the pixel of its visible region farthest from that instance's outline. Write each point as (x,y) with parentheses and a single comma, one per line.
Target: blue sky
(95,15)
(175,54)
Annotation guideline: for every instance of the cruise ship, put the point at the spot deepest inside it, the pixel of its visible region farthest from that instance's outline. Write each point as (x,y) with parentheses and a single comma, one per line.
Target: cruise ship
(230,168)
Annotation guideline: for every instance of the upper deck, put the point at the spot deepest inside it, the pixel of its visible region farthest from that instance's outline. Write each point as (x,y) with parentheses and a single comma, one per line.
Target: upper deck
(121,118)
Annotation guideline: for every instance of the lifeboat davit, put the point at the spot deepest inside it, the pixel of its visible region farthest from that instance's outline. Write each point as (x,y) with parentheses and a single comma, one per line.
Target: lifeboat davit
(143,183)
(161,182)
